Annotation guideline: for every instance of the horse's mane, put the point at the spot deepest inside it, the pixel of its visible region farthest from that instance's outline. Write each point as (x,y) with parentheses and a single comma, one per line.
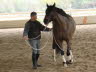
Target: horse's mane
(61,12)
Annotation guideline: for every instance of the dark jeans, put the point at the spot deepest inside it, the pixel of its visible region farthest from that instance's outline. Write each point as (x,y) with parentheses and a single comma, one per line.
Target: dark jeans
(35,44)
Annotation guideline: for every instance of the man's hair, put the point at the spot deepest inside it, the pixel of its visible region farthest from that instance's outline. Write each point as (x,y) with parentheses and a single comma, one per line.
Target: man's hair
(33,13)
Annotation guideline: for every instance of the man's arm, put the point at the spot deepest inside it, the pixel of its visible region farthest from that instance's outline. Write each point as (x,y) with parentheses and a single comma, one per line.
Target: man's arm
(44,28)
(26,30)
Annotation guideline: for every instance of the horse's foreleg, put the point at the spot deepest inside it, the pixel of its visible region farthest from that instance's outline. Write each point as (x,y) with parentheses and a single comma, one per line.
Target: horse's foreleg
(71,55)
(69,52)
(54,55)
(54,50)
(64,61)
(63,58)
(62,54)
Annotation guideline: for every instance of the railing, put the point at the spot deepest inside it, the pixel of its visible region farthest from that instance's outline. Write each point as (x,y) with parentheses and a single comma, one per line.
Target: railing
(41,13)
(12,20)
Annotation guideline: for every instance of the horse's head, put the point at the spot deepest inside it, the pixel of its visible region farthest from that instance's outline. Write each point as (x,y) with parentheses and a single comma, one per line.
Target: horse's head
(49,14)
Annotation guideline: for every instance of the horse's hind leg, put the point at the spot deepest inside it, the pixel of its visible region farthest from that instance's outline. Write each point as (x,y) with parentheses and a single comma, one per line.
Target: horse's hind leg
(69,52)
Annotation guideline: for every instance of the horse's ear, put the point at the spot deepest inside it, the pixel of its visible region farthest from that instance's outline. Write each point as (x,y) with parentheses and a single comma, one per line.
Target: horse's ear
(54,5)
(47,5)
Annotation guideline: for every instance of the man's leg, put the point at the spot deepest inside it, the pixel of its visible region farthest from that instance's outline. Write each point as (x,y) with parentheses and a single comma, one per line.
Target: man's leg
(34,61)
(38,52)
(33,43)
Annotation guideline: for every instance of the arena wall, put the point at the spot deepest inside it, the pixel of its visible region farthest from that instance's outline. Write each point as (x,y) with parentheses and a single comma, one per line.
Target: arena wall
(19,23)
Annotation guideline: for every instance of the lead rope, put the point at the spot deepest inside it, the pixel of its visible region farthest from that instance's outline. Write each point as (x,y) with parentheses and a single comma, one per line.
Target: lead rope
(28,43)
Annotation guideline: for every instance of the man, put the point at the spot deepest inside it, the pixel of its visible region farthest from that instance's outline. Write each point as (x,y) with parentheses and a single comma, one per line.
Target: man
(32,33)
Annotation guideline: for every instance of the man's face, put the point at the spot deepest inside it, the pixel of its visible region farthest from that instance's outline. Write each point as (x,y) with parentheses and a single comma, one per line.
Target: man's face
(33,18)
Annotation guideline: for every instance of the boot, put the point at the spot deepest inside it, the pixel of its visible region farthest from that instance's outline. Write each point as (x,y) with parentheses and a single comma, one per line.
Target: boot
(37,57)
(34,60)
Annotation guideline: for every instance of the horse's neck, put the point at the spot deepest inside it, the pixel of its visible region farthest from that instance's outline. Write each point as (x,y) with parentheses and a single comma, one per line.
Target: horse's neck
(59,22)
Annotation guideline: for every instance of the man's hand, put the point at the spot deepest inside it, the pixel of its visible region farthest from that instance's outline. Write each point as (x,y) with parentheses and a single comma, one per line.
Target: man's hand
(25,38)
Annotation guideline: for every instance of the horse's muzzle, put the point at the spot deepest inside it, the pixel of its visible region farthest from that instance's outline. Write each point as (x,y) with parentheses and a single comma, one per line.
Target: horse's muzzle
(46,21)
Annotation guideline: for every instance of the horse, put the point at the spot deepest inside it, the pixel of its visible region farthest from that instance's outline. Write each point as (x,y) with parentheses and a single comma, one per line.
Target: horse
(63,30)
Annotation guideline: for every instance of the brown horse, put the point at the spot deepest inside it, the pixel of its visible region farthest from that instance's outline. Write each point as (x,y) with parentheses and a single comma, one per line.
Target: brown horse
(63,30)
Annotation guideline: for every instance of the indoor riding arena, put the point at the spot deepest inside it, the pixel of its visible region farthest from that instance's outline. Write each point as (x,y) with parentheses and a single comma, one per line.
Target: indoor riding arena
(16,53)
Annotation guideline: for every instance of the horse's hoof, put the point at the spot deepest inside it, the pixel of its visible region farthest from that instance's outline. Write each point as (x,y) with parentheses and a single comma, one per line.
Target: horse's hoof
(69,62)
(65,64)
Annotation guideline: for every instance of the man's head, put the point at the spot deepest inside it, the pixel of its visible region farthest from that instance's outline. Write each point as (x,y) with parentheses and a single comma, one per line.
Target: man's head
(33,16)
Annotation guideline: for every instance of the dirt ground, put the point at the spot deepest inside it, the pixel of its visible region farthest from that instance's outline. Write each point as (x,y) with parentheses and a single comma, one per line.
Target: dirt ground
(15,54)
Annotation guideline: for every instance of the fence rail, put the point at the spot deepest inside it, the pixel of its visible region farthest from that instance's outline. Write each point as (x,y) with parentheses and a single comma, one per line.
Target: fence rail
(14,20)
